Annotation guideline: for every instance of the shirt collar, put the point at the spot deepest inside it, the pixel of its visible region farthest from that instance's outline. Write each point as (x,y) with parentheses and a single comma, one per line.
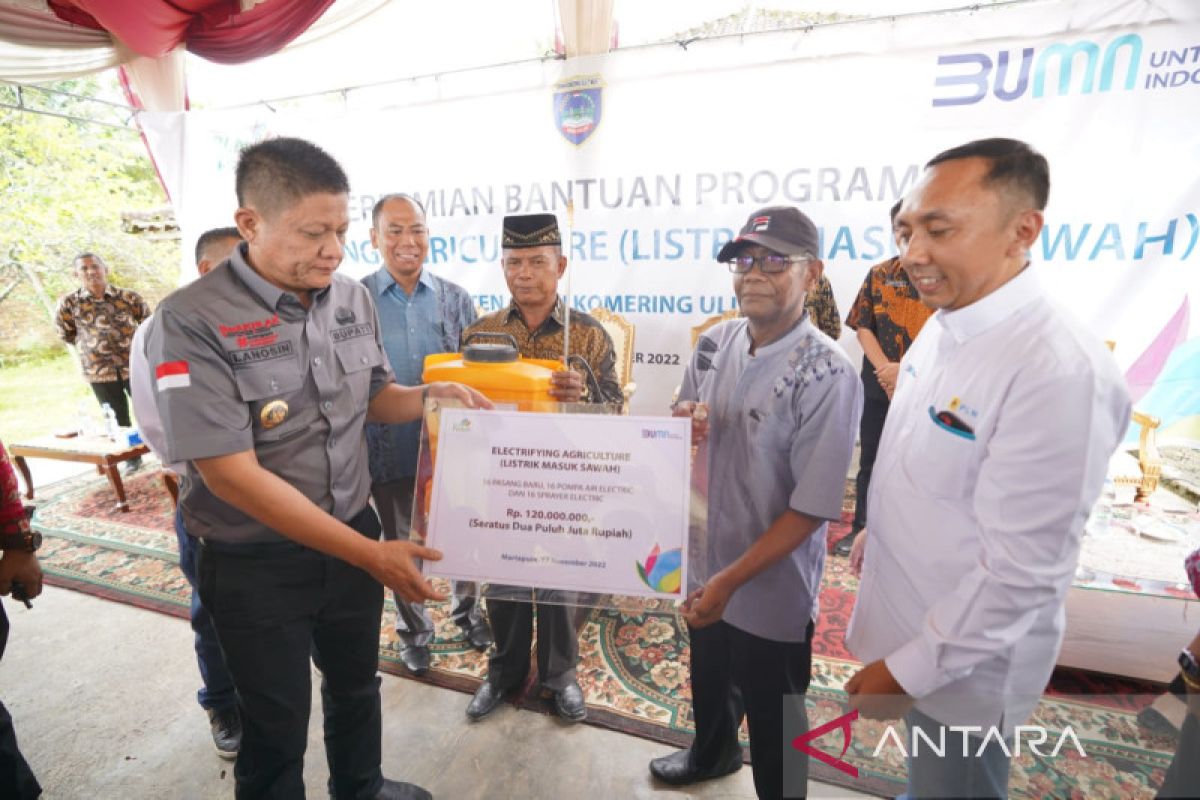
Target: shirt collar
(785,342)
(266,291)
(991,310)
(109,292)
(386,281)
(556,313)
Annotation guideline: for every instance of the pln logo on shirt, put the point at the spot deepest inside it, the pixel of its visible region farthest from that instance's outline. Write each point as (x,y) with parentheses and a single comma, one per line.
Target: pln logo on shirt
(953,418)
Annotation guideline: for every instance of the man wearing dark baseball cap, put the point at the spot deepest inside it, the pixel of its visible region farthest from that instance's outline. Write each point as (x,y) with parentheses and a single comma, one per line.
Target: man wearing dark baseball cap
(784,229)
(785,403)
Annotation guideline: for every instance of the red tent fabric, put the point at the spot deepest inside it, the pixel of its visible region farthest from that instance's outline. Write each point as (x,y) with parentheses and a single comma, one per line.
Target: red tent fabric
(217,30)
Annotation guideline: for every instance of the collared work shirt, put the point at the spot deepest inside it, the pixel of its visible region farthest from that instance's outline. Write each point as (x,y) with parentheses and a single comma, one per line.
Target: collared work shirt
(101,328)
(995,447)
(782,426)
(888,306)
(240,364)
(142,392)
(588,339)
(430,321)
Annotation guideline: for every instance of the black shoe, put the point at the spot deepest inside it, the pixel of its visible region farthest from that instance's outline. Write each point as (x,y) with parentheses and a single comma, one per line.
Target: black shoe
(480,635)
(393,790)
(226,726)
(486,698)
(678,768)
(569,703)
(1150,717)
(845,544)
(132,465)
(415,658)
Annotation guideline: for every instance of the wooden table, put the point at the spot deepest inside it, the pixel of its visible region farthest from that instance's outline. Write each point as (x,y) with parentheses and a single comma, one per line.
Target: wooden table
(99,450)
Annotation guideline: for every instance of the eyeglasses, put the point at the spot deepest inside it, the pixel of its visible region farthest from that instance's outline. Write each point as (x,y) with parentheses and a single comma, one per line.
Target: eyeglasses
(767,265)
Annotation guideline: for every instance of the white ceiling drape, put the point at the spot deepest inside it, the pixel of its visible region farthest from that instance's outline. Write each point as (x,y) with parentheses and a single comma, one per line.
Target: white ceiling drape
(36,46)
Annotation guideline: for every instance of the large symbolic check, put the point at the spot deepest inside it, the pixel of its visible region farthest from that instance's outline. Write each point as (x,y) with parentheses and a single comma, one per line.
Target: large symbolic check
(581,502)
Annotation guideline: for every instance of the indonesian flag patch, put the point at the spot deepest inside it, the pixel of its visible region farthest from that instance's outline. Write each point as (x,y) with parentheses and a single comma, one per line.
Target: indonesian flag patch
(172,375)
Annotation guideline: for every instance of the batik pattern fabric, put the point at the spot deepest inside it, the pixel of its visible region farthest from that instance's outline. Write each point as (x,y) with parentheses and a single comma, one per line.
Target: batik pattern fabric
(101,328)
(588,339)
(889,306)
(823,310)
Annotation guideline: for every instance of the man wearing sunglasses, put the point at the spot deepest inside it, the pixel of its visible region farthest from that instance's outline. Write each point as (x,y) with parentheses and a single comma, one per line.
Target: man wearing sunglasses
(776,404)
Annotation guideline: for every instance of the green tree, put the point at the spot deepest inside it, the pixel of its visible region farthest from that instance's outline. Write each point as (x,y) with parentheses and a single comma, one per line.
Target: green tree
(65,184)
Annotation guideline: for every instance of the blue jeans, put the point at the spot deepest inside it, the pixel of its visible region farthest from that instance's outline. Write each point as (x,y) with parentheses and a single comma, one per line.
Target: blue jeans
(979,774)
(217,692)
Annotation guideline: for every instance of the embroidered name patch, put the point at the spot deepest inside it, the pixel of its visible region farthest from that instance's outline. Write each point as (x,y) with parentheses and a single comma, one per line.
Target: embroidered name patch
(255,355)
(352,332)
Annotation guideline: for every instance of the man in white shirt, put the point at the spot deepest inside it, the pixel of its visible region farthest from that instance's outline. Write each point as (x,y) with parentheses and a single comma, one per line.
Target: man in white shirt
(996,444)
(217,695)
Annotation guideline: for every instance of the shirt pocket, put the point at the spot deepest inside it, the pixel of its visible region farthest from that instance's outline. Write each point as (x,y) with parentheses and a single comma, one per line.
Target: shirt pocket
(358,358)
(275,399)
(941,460)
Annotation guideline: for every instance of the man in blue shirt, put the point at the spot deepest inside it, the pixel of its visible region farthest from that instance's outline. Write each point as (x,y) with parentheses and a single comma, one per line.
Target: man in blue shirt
(419,314)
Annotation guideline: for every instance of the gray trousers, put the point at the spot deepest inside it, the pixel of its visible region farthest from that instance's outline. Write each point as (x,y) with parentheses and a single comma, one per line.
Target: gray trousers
(978,775)
(394,502)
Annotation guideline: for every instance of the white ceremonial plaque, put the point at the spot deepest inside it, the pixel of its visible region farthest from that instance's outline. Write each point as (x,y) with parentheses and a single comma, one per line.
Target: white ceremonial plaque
(577,502)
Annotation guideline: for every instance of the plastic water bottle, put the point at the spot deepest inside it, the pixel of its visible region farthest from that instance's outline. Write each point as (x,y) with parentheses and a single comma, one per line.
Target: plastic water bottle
(84,420)
(111,428)
(1100,519)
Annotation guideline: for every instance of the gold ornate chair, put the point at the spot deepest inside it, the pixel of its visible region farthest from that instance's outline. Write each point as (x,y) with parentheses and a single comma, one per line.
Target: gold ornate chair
(1149,460)
(621,331)
(710,322)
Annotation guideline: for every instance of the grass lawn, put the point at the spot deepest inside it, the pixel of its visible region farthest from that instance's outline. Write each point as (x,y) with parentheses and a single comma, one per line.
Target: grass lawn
(41,397)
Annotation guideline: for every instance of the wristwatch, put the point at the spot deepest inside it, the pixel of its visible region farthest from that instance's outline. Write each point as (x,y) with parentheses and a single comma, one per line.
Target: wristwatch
(29,541)
(1189,667)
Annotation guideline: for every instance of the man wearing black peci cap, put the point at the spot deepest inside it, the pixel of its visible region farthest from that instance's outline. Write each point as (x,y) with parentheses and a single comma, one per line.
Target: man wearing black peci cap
(533,262)
(778,404)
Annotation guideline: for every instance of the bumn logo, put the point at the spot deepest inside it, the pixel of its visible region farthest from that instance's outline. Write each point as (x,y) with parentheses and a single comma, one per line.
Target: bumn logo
(967,78)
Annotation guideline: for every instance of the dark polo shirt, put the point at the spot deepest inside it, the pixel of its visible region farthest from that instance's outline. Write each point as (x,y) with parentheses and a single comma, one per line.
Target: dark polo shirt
(240,364)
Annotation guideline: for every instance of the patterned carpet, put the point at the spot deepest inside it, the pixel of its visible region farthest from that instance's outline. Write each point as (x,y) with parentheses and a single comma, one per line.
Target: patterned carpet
(633,660)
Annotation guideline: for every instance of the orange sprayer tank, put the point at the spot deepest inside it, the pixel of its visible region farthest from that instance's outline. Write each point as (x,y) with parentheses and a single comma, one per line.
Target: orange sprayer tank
(491,364)
(495,369)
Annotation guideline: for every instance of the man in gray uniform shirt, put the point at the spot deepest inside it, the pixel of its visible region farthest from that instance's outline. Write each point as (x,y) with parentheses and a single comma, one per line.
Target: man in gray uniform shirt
(266,370)
(778,403)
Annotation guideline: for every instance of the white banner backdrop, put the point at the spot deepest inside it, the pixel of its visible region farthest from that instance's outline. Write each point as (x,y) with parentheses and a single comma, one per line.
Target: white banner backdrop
(684,143)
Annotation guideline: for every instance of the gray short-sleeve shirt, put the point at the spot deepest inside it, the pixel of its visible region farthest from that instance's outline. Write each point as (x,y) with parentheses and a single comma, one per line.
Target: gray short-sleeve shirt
(240,364)
(782,428)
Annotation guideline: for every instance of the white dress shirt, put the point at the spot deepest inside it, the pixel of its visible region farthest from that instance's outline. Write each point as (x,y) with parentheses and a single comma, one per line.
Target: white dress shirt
(995,448)
(142,390)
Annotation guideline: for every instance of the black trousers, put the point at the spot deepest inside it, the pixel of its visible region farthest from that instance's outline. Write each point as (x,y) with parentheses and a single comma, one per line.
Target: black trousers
(736,674)
(512,627)
(16,778)
(1183,776)
(870,429)
(114,393)
(273,605)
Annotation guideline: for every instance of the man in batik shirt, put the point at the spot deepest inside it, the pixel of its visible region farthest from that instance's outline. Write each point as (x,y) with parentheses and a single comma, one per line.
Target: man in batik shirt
(886,316)
(100,321)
